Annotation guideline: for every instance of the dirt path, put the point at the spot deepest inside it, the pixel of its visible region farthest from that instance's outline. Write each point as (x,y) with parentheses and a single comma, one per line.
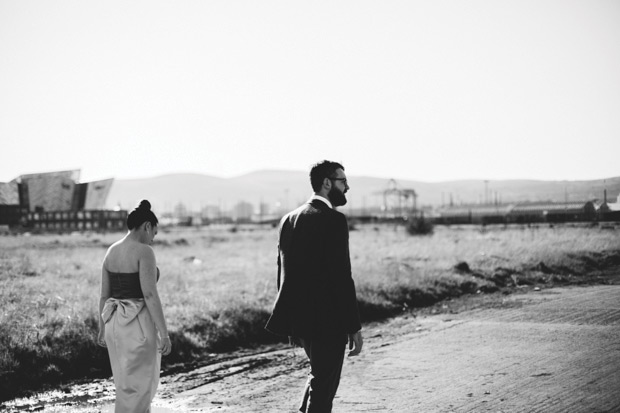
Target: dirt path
(552,351)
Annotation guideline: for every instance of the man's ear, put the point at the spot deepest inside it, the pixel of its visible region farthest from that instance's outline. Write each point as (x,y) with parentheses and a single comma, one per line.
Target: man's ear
(327,183)
(146,225)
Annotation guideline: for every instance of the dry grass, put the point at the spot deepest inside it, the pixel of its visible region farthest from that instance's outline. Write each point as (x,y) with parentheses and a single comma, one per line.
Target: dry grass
(217,285)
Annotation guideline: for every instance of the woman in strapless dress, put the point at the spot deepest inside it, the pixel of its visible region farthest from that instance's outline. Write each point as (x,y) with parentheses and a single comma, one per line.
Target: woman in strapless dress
(131,322)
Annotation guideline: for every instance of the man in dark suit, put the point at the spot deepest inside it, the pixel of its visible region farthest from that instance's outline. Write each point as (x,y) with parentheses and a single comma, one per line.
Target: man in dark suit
(316,304)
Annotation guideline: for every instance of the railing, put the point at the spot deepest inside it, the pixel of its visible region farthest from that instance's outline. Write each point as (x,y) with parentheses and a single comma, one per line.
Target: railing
(88,220)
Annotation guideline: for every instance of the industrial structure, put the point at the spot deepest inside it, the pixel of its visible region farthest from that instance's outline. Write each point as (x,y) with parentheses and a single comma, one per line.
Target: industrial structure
(399,202)
(58,201)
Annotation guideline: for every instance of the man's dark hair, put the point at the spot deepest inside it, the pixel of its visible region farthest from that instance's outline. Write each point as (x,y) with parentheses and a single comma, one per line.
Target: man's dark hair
(322,170)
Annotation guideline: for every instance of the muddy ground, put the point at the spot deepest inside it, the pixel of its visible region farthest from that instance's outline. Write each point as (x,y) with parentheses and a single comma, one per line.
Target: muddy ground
(555,350)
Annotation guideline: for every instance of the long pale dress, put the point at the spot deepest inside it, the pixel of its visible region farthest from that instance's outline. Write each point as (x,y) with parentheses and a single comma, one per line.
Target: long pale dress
(132,340)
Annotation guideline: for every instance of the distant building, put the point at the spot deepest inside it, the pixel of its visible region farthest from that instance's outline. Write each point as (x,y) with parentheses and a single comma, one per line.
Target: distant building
(517,213)
(180,211)
(11,211)
(609,211)
(553,212)
(473,214)
(52,191)
(59,191)
(9,193)
(211,212)
(243,211)
(52,200)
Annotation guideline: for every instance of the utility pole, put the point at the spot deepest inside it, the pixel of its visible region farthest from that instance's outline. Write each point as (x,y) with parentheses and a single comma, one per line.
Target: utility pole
(565,204)
(486,191)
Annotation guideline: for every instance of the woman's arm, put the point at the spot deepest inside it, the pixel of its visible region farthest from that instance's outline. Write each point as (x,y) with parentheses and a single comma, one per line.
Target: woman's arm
(104,295)
(148,283)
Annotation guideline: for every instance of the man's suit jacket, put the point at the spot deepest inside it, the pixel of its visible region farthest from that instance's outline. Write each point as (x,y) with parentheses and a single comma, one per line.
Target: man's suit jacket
(316,293)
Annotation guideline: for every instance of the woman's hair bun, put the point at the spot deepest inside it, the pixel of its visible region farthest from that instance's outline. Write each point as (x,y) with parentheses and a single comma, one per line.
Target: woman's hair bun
(144,205)
(142,213)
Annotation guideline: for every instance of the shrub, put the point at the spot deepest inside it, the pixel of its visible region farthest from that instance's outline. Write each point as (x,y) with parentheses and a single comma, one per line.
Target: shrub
(419,226)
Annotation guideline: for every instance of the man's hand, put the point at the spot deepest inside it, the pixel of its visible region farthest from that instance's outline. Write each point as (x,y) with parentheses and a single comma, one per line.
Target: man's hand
(355,344)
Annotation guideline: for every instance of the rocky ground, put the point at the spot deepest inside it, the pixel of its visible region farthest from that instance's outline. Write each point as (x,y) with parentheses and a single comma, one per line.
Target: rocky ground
(555,350)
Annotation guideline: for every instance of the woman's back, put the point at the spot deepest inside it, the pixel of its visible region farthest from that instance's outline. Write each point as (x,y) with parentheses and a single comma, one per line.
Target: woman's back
(123,266)
(124,257)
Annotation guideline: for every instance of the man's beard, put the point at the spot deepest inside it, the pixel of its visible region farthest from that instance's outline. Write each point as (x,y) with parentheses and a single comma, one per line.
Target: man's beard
(336,197)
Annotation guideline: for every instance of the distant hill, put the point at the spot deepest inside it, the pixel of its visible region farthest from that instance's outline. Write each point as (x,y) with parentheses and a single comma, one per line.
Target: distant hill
(287,189)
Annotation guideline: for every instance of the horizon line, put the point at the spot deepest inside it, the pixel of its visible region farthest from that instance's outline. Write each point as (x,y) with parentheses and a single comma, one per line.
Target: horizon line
(272,170)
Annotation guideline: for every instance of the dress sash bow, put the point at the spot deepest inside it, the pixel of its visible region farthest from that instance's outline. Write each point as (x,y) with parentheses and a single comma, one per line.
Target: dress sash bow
(126,309)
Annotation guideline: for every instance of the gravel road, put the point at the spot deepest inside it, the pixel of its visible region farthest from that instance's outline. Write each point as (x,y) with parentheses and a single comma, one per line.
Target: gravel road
(551,351)
(556,350)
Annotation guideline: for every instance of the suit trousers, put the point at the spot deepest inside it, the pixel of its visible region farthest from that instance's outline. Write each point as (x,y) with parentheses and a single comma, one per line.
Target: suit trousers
(326,355)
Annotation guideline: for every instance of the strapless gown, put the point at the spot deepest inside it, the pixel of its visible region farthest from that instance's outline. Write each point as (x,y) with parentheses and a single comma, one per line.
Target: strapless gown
(133,341)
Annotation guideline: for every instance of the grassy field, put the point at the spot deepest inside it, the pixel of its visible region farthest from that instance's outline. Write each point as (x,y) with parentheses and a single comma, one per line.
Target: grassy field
(218,284)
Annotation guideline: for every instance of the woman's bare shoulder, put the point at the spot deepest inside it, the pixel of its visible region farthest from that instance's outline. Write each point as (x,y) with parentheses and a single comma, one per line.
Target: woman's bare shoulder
(145,251)
(110,253)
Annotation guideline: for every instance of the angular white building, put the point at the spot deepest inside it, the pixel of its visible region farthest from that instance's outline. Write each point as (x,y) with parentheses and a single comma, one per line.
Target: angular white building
(55,198)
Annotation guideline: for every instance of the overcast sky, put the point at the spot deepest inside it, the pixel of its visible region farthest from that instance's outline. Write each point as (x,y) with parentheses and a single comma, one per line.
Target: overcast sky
(424,90)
